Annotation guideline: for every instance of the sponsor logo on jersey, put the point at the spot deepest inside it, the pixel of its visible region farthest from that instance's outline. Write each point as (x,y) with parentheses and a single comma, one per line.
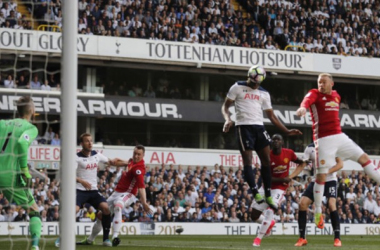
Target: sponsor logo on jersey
(332,104)
(322,162)
(91,166)
(280,169)
(286,160)
(251,97)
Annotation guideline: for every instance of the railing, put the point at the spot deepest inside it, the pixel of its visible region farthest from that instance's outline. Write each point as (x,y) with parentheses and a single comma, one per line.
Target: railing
(45,27)
(295,46)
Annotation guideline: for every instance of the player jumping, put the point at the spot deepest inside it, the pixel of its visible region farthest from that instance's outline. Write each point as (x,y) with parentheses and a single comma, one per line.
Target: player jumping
(250,100)
(329,140)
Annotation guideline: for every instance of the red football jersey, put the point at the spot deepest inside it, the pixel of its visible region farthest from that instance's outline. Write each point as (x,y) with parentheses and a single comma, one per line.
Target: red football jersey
(279,166)
(324,110)
(132,179)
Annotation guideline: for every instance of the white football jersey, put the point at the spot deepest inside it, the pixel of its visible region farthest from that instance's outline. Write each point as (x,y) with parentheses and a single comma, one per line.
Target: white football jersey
(309,154)
(87,168)
(249,103)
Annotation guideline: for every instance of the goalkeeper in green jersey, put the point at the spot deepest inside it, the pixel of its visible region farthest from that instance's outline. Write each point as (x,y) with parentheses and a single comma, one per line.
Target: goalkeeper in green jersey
(15,138)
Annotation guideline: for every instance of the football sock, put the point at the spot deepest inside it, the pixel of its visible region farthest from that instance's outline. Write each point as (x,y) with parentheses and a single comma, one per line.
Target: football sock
(268,217)
(370,169)
(318,190)
(116,221)
(95,230)
(106,224)
(335,224)
(266,176)
(250,179)
(35,225)
(302,223)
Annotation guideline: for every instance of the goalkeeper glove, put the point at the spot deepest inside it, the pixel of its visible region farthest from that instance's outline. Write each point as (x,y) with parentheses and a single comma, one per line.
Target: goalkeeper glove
(26,178)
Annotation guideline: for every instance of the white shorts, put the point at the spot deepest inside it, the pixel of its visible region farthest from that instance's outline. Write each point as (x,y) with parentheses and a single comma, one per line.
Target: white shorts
(125,198)
(329,147)
(277,195)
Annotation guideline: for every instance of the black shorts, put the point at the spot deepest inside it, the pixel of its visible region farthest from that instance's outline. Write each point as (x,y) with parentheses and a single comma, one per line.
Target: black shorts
(252,137)
(93,197)
(330,190)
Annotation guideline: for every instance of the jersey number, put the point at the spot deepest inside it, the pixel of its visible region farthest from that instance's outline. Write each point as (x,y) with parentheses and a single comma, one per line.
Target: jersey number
(6,142)
(332,191)
(267,136)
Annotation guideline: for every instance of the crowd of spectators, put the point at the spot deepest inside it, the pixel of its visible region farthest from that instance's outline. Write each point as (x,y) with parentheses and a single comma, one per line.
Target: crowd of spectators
(199,194)
(26,81)
(345,27)
(163,90)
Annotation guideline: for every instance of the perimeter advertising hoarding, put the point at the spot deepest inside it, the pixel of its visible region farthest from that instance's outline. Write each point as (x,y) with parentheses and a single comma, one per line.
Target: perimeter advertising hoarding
(162,228)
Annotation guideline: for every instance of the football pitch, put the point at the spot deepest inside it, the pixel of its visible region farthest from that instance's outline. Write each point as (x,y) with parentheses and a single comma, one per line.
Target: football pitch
(205,242)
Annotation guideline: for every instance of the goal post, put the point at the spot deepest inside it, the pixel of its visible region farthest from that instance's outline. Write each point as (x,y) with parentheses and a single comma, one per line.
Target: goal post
(69,76)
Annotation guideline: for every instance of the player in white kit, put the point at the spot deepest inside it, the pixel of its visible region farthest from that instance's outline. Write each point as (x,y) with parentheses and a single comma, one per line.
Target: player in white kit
(250,100)
(87,189)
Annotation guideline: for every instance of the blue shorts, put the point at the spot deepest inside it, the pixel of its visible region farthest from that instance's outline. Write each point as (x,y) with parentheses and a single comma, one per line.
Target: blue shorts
(93,197)
(252,137)
(330,190)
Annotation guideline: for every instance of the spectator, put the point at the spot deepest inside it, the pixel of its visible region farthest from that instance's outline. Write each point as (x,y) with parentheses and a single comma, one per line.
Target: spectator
(35,83)
(344,104)
(369,203)
(21,216)
(49,135)
(150,92)
(22,82)
(233,218)
(144,218)
(46,86)
(175,94)
(56,141)
(9,83)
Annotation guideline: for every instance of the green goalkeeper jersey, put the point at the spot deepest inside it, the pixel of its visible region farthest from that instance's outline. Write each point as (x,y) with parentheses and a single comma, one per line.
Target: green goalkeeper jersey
(15,138)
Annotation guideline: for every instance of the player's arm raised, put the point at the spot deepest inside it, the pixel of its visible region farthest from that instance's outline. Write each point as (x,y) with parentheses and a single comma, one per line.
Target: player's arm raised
(306,103)
(338,166)
(119,162)
(273,118)
(226,114)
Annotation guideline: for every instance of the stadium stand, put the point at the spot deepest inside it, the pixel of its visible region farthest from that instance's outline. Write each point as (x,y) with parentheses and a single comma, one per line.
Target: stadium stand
(349,28)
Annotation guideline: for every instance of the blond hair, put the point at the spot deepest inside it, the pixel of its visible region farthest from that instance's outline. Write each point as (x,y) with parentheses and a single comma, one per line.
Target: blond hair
(326,74)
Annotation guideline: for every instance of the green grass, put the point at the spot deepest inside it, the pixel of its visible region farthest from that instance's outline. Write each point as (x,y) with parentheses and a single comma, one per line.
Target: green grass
(206,242)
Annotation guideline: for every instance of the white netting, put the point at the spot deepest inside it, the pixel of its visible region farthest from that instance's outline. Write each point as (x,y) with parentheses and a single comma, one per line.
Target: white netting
(25,73)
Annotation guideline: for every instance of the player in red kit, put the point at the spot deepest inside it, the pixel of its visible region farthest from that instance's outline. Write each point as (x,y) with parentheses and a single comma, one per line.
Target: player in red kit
(329,140)
(280,164)
(130,183)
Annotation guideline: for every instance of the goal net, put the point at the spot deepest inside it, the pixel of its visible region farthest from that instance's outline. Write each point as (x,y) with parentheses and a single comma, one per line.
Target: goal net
(31,40)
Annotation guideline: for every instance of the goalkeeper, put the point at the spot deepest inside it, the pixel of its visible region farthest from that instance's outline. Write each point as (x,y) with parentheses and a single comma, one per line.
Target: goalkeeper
(15,138)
